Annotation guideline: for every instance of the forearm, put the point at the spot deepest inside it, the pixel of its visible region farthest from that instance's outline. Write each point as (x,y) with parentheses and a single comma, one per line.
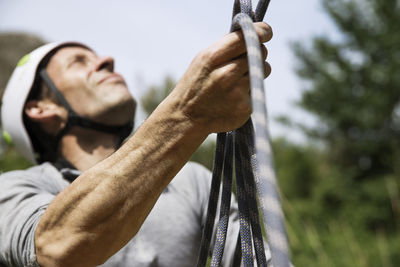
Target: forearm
(105,207)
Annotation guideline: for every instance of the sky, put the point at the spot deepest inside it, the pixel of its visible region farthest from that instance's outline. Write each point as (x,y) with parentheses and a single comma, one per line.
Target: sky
(152,39)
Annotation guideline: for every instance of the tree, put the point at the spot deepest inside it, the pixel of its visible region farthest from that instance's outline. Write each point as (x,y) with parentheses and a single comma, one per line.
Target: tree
(353,90)
(355,86)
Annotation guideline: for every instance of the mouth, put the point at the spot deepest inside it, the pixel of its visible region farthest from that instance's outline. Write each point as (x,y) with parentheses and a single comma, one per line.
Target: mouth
(113,77)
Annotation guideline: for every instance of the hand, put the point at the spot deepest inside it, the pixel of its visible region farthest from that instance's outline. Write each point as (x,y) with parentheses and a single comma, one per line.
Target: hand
(214,91)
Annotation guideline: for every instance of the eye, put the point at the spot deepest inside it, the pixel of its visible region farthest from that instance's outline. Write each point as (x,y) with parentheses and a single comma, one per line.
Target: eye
(80,60)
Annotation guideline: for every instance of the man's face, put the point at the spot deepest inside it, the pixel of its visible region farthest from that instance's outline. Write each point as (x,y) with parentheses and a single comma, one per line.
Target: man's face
(90,85)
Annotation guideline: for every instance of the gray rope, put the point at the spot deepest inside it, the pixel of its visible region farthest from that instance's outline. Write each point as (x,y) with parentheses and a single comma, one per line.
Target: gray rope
(244,215)
(265,174)
(243,153)
(250,163)
(225,204)
(213,199)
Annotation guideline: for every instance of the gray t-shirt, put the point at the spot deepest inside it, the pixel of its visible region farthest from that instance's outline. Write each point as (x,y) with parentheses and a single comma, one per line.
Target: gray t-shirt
(170,236)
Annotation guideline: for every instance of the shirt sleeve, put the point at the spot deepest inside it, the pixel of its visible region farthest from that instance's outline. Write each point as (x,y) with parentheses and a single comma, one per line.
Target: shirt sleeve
(23,200)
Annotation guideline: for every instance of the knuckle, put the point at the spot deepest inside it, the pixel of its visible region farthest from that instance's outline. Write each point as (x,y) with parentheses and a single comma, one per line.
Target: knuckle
(204,59)
(265,32)
(228,74)
(202,56)
(220,78)
(205,56)
(233,68)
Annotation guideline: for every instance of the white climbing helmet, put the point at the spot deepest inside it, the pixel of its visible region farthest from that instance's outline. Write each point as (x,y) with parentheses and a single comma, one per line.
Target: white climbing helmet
(16,93)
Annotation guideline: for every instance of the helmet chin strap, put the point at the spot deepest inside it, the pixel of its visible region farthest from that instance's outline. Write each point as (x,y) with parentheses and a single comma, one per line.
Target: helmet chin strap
(122,131)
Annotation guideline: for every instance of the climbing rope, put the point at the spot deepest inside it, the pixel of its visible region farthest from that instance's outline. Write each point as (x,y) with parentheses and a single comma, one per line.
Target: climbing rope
(249,153)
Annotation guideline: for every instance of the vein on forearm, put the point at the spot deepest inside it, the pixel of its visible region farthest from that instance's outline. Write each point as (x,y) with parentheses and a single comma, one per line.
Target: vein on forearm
(108,203)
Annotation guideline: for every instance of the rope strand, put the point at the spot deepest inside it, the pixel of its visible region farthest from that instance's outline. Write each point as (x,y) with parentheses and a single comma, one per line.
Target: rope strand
(254,168)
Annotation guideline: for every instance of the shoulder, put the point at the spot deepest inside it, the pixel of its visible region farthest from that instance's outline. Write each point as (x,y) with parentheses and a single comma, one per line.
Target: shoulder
(24,196)
(43,168)
(44,176)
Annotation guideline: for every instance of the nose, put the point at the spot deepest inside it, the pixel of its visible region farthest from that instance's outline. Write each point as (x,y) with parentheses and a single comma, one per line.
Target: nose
(106,63)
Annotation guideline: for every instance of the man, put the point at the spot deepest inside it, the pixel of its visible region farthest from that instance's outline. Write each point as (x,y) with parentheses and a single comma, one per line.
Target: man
(121,208)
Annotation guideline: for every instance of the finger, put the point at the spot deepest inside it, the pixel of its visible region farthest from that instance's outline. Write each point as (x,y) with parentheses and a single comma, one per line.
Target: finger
(241,90)
(264,52)
(244,83)
(267,69)
(233,45)
(230,73)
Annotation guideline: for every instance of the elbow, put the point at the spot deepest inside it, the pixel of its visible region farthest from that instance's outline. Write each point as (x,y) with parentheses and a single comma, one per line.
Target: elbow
(48,254)
(57,253)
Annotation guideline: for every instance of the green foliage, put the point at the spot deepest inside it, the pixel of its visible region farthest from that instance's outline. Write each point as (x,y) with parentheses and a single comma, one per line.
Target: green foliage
(331,220)
(354,86)
(342,199)
(11,160)
(300,163)
(205,154)
(156,94)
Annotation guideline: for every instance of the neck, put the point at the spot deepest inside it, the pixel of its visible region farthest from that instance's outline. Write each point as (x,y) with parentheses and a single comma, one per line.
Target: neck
(84,148)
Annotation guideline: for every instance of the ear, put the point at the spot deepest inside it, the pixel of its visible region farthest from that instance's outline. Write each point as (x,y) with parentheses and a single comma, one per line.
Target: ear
(42,111)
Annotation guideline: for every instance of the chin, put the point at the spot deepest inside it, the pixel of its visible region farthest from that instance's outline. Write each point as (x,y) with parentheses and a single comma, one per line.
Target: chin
(119,114)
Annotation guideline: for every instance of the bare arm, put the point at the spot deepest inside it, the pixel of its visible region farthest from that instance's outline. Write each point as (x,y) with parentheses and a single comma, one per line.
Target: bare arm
(105,207)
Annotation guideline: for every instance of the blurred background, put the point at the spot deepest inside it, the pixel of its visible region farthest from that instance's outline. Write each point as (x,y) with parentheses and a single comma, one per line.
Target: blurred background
(333,98)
